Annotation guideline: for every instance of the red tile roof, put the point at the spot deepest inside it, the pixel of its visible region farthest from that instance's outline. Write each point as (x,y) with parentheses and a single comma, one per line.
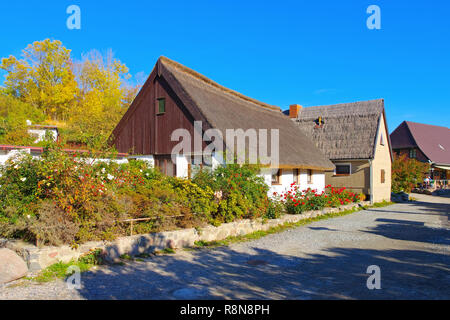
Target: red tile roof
(433,141)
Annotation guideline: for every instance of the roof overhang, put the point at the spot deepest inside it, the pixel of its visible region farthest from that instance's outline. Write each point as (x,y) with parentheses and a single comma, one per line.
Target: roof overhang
(442,166)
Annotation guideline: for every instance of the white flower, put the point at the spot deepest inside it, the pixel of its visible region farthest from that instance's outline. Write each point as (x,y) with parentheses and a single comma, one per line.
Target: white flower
(28,216)
(16,166)
(103,170)
(23,179)
(110,177)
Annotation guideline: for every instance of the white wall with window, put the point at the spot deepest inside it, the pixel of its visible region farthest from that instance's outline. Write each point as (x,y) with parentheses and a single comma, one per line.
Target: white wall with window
(280,180)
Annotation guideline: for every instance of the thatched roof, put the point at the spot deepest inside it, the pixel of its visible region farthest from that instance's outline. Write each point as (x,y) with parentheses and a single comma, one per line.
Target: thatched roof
(223,109)
(349,130)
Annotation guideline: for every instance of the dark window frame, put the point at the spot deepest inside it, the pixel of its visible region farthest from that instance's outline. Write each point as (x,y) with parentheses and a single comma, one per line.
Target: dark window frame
(309,175)
(296,176)
(277,182)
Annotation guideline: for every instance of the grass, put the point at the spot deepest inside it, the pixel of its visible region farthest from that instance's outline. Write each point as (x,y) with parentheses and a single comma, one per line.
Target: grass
(165,251)
(60,270)
(381,204)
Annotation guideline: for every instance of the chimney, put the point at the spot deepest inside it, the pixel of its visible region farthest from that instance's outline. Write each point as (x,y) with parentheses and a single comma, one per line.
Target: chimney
(294,109)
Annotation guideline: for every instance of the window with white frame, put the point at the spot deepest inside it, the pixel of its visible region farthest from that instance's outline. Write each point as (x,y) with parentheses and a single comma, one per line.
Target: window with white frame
(343,169)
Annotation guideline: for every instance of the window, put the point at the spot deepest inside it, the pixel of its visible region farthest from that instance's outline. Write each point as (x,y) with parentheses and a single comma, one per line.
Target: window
(310,176)
(343,169)
(412,153)
(383,176)
(276,176)
(382,140)
(296,176)
(161,105)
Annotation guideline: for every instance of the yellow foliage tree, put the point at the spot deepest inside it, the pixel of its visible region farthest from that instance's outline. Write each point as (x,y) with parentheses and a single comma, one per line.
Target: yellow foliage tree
(43,77)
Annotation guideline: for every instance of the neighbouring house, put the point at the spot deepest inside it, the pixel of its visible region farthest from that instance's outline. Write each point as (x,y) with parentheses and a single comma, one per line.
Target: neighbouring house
(426,143)
(354,136)
(9,151)
(43,131)
(176,97)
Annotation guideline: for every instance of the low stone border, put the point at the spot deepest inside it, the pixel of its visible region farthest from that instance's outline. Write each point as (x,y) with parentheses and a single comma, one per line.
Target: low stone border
(40,258)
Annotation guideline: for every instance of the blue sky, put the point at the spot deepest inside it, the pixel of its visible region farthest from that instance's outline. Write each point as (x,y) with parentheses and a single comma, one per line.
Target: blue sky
(279,52)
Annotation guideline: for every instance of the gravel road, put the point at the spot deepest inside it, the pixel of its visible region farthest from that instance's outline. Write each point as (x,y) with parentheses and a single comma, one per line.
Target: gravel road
(327,259)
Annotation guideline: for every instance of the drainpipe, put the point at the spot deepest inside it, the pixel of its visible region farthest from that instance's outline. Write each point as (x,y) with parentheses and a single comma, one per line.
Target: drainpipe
(371,181)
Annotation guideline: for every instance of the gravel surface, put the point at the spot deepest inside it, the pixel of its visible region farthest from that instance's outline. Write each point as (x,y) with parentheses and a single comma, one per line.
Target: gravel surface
(326,259)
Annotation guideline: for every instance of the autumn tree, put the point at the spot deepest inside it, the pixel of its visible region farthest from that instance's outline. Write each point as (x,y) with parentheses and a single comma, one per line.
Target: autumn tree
(85,98)
(407,173)
(43,78)
(103,99)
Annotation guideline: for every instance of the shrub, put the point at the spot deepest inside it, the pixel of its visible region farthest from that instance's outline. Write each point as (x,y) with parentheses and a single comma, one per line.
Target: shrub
(298,201)
(240,191)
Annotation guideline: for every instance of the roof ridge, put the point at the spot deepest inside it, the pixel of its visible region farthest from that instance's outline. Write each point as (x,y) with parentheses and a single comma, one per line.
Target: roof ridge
(346,103)
(214,84)
(425,124)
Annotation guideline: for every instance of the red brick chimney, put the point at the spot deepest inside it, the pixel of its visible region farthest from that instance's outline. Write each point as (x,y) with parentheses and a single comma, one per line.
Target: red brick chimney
(294,109)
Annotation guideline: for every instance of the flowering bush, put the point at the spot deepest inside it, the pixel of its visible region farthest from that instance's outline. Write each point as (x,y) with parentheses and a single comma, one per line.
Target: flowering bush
(69,198)
(40,198)
(298,201)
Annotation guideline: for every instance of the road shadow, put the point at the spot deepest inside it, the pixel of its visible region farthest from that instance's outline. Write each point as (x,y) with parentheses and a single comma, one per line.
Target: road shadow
(223,273)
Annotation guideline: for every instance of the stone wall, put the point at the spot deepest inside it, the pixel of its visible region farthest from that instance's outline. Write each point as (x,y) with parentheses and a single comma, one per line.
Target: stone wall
(40,258)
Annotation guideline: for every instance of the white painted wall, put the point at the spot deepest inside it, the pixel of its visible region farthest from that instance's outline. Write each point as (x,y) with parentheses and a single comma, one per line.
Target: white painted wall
(40,134)
(7,154)
(182,165)
(287,178)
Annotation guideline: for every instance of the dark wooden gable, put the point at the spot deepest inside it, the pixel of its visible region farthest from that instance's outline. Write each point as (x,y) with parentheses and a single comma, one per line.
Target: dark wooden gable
(142,131)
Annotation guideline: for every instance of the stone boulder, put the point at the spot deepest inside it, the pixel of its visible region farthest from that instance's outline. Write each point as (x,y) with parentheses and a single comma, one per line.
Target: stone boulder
(12,266)
(399,197)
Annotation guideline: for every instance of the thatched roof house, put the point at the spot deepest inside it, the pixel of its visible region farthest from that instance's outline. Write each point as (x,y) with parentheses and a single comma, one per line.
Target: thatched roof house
(188,96)
(351,135)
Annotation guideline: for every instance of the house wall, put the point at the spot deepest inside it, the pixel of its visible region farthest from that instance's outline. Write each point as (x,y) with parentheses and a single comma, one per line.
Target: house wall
(40,134)
(382,161)
(287,178)
(358,181)
(420,156)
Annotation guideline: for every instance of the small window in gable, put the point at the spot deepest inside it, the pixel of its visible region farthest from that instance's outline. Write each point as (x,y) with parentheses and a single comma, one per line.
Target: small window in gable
(383,176)
(161,105)
(382,140)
